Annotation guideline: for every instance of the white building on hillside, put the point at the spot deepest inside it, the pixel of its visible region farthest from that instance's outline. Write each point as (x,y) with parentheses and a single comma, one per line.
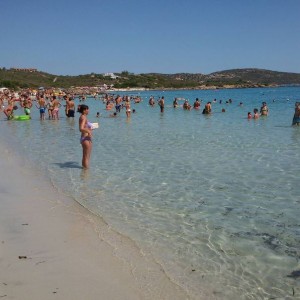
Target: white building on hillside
(111,75)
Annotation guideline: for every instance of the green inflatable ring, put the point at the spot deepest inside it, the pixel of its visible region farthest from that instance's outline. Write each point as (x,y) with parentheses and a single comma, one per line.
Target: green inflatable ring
(22,118)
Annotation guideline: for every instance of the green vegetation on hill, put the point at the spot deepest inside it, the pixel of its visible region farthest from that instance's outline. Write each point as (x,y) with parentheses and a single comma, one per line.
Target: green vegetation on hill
(237,78)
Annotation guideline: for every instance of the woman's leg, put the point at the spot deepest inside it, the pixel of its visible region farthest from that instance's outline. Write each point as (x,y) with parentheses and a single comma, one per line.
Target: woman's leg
(86,153)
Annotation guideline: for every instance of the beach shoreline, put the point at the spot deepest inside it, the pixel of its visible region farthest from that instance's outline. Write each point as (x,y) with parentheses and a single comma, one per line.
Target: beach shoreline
(52,246)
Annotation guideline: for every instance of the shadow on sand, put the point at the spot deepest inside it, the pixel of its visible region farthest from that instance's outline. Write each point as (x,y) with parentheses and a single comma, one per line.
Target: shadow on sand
(69,164)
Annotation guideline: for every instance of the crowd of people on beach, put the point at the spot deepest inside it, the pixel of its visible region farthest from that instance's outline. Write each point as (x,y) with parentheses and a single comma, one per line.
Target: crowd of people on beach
(47,101)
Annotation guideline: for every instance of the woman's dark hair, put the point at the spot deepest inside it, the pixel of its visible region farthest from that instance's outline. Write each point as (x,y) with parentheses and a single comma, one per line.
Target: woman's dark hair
(81,108)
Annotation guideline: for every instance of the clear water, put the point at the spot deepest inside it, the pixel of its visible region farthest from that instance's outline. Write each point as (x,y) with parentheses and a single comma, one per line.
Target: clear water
(215,199)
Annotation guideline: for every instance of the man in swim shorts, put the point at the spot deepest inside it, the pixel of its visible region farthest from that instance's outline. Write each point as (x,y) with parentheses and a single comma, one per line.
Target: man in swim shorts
(42,106)
(161,103)
(296,118)
(70,108)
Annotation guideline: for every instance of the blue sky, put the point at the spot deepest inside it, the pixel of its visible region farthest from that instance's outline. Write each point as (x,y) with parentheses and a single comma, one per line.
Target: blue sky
(72,37)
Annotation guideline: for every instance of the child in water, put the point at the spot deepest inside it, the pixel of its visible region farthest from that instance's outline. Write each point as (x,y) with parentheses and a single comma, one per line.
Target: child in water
(256,114)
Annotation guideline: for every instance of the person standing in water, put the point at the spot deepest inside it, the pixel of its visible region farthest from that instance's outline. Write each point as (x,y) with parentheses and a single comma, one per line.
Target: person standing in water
(256,114)
(197,104)
(264,110)
(26,104)
(86,136)
(207,109)
(127,106)
(70,107)
(161,103)
(42,106)
(296,118)
(56,106)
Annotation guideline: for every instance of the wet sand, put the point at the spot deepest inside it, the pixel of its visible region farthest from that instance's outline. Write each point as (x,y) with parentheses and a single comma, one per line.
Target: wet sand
(53,248)
(49,249)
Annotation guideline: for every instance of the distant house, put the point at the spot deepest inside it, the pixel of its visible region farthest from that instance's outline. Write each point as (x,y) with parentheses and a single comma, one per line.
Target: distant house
(30,70)
(111,75)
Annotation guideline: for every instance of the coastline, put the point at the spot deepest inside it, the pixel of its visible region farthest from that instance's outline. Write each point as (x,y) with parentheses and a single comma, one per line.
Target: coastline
(200,88)
(52,246)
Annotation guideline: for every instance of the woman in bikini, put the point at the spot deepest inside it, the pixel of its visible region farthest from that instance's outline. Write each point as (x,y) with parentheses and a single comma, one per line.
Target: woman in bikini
(50,107)
(56,106)
(127,106)
(86,136)
(264,110)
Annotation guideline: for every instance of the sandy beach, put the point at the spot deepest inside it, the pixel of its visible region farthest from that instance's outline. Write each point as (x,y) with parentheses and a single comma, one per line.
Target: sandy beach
(52,248)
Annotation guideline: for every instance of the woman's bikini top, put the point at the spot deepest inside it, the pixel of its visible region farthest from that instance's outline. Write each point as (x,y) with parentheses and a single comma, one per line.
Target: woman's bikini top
(89,125)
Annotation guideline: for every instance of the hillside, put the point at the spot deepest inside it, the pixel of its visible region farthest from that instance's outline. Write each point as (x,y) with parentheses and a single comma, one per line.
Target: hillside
(224,79)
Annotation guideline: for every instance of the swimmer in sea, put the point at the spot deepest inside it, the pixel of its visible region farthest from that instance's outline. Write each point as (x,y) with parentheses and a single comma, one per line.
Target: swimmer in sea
(256,114)
(249,116)
(186,105)
(86,135)
(151,101)
(197,104)
(207,108)
(175,103)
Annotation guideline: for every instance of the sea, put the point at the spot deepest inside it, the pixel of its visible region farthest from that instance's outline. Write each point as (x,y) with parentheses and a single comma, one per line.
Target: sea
(214,200)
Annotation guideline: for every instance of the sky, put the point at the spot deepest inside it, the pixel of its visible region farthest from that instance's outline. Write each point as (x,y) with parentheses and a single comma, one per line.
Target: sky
(76,37)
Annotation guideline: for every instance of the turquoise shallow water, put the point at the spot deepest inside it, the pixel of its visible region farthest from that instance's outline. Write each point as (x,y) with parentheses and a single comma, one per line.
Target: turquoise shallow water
(215,199)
